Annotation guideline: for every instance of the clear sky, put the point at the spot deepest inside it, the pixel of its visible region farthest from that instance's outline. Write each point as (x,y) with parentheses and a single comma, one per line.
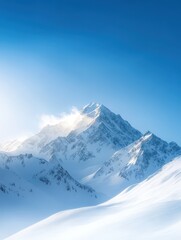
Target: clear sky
(55,54)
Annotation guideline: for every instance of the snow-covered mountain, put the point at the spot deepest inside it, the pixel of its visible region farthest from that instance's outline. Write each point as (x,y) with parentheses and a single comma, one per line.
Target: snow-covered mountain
(97,146)
(88,157)
(133,164)
(94,125)
(151,211)
(83,145)
(83,152)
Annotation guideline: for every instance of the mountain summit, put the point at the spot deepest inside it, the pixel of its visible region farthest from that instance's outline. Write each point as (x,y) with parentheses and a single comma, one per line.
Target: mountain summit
(91,107)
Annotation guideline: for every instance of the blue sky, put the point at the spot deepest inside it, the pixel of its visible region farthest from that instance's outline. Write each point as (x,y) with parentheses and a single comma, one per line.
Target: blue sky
(59,54)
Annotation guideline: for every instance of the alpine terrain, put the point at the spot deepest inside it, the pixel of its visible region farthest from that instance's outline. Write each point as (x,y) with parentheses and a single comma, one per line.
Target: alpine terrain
(103,178)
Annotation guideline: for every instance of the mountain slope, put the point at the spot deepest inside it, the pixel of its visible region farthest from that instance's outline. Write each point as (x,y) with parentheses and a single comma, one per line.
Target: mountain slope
(32,188)
(44,175)
(133,164)
(151,210)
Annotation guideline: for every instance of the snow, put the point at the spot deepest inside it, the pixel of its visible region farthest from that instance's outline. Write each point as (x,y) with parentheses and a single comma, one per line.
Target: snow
(133,164)
(10,146)
(75,120)
(88,157)
(94,123)
(151,210)
(32,189)
(82,153)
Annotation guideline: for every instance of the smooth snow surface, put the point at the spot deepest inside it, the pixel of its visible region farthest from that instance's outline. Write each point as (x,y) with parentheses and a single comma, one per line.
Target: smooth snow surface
(151,210)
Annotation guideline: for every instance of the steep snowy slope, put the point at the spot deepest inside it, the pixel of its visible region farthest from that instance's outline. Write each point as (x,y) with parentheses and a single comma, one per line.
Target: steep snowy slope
(151,210)
(133,164)
(21,202)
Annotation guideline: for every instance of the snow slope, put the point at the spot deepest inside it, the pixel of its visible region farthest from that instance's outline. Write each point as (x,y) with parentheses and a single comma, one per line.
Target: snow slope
(32,189)
(151,210)
(133,164)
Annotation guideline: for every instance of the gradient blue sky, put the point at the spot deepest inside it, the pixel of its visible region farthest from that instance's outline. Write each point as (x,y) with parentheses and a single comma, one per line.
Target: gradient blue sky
(57,54)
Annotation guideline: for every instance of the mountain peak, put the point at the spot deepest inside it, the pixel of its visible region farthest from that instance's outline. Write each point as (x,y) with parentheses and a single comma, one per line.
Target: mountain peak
(91,107)
(148,133)
(94,109)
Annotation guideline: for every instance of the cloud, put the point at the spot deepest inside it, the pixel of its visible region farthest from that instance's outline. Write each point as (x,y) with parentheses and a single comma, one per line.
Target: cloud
(49,120)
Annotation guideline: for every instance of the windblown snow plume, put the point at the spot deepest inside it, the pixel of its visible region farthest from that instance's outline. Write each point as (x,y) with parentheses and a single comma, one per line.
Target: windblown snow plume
(53,127)
(68,121)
